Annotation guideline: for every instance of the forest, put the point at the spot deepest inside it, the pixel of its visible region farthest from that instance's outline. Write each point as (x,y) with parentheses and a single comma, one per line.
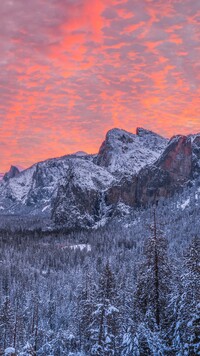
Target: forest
(130,288)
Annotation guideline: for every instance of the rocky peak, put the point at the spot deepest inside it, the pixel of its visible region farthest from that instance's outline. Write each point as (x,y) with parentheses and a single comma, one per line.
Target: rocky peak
(120,135)
(12,173)
(130,170)
(127,153)
(151,139)
(140,131)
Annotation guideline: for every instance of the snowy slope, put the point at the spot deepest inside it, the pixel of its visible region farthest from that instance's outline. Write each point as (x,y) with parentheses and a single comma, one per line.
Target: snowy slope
(79,202)
(82,190)
(34,189)
(126,153)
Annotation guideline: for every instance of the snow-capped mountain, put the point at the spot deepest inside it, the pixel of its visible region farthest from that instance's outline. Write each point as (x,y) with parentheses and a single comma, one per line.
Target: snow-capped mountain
(125,153)
(177,166)
(32,190)
(82,190)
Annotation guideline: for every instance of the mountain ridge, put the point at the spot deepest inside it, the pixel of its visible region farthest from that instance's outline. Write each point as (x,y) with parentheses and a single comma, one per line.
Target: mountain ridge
(86,190)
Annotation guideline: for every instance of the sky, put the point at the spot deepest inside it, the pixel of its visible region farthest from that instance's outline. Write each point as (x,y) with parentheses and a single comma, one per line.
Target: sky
(73,69)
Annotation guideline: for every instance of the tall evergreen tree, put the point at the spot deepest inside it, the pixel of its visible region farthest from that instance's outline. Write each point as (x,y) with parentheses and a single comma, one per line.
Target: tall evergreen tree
(186,336)
(7,324)
(105,326)
(153,288)
(86,301)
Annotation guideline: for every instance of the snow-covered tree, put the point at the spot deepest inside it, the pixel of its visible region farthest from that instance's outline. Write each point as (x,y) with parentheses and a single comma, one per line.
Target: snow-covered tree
(153,282)
(85,310)
(105,325)
(186,337)
(7,324)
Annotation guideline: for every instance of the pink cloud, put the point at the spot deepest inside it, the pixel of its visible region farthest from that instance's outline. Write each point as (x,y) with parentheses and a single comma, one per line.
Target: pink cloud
(71,70)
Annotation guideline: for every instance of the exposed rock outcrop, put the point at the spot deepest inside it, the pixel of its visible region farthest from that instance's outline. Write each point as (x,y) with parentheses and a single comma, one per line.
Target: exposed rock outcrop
(195,155)
(80,199)
(122,192)
(82,191)
(177,158)
(12,173)
(168,174)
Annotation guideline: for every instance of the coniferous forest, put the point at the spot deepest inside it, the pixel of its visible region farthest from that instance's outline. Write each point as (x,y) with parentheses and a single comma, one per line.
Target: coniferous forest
(129,288)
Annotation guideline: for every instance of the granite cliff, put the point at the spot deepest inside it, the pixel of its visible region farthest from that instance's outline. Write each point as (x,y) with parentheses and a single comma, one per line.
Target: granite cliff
(85,191)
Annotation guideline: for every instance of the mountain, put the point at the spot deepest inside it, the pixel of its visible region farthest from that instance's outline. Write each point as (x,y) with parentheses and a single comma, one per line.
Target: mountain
(32,191)
(84,191)
(177,166)
(125,153)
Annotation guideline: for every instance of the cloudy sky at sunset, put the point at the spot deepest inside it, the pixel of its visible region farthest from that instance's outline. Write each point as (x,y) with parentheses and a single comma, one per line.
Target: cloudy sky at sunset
(73,69)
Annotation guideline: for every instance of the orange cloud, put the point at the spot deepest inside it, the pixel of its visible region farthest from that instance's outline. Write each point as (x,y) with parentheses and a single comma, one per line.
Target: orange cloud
(71,70)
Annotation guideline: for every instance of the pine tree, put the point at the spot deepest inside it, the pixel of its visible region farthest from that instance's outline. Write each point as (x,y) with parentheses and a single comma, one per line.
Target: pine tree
(51,309)
(186,335)
(105,326)
(152,294)
(153,282)
(86,302)
(128,325)
(35,325)
(7,324)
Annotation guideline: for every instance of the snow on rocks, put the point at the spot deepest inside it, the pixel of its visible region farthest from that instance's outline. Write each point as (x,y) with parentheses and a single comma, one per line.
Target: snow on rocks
(83,191)
(127,153)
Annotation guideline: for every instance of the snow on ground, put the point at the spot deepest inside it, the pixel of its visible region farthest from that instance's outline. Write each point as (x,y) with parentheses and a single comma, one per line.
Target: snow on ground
(64,246)
(80,247)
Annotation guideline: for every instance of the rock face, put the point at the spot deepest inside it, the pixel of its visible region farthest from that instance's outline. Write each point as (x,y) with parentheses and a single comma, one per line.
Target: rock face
(124,191)
(195,139)
(168,174)
(79,202)
(84,191)
(13,172)
(161,179)
(177,158)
